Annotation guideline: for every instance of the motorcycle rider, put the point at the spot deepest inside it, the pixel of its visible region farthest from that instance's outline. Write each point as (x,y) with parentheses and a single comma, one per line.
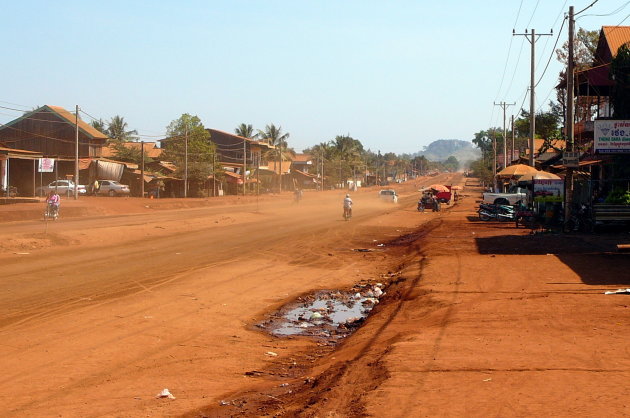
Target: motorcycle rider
(347,205)
(53,201)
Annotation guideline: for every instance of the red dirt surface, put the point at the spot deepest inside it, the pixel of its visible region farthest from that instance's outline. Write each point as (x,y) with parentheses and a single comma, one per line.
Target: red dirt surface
(122,298)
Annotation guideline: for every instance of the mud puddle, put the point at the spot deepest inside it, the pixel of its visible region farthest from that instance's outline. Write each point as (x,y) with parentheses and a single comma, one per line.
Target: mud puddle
(327,314)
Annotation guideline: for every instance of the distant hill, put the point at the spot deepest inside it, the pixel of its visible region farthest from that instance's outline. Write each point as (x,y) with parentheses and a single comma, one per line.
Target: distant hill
(440,150)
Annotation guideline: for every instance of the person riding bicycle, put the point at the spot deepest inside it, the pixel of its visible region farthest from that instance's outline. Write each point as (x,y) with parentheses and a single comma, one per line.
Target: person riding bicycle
(53,201)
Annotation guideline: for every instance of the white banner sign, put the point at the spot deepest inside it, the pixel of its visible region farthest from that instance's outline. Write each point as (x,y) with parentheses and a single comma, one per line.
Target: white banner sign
(612,136)
(46,165)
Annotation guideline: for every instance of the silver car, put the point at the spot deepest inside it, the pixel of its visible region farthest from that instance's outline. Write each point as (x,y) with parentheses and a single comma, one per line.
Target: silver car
(112,188)
(62,187)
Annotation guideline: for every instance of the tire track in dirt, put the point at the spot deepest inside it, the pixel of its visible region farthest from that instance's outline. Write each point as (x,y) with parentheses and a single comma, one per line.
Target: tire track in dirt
(321,391)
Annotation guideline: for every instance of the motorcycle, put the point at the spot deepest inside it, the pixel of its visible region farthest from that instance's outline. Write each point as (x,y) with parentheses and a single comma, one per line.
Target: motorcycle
(347,213)
(51,212)
(502,213)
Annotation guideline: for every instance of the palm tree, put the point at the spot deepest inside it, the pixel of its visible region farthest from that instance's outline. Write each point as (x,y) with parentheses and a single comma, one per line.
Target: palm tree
(349,150)
(274,136)
(246,131)
(99,125)
(117,130)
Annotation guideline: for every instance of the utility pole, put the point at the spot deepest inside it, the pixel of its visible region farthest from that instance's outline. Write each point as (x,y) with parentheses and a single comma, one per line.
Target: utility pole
(244,163)
(76,154)
(504,106)
(142,170)
(186,160)
(494,160)
(532,90)
(322,172)
(512,155)
(568,195)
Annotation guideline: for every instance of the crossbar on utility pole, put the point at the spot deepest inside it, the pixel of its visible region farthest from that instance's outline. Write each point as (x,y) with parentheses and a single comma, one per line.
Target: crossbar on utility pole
(532,97)
(504,106)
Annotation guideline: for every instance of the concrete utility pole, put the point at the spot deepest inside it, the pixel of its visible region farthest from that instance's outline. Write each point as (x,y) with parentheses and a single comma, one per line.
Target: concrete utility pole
(532,90)
(494,161)
(504,106)
(568,194)
(76,154)
(142,170)
(244,163)
(186,161)
(512,152)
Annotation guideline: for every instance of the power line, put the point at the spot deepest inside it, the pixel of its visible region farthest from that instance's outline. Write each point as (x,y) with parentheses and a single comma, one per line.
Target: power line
(614,12)
(552,52)
(587,7)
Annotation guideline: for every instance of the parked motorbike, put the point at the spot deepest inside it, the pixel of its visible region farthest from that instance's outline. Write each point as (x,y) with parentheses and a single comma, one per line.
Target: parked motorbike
(502,213)
(581,219)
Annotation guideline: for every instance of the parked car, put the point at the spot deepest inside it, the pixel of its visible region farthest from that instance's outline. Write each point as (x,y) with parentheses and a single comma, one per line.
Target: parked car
(112,188)
(389,195)
(61,187)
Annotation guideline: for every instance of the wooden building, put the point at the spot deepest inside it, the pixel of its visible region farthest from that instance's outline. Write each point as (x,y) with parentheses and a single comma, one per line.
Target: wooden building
(50,131)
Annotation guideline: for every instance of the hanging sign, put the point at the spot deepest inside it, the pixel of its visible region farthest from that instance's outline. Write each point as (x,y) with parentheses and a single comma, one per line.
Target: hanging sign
(46,165)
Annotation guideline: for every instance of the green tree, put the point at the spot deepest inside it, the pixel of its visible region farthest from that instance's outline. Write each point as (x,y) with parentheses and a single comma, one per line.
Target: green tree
(188,132)
(246,131)
(347,152)
(117,130)
(99,125)
(451,164)
(129,154)
(547,124)
(274,136)
(584,47)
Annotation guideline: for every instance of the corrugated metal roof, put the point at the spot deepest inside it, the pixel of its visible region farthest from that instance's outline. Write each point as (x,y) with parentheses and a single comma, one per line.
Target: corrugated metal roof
(616,36)
(87,128)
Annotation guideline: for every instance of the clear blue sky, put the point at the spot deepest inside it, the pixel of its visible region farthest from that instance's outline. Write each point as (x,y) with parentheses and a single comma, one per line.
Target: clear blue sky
(396,75)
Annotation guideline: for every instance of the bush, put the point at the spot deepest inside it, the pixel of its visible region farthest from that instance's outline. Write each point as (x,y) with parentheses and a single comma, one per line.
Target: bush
(618,197)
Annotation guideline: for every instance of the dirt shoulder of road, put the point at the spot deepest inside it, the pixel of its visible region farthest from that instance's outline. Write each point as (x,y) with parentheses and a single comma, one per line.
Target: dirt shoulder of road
(482,319)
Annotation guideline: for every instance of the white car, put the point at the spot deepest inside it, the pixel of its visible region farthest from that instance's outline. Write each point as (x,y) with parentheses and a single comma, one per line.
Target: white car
(62,187)
(388,195)
(112,188)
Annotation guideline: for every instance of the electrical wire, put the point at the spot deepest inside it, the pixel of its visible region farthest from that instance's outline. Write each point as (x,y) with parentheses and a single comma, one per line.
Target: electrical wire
(507,59)
(614,12)
(587,7)
(552,52)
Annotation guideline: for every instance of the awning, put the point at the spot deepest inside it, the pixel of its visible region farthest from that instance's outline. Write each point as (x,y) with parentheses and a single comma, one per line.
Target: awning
(580,164)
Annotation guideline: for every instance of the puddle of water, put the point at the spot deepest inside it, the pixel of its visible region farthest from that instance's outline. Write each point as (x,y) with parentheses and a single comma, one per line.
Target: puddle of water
(325,314)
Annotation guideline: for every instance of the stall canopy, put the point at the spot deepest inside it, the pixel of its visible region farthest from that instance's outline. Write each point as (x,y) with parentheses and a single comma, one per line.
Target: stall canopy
(516,170)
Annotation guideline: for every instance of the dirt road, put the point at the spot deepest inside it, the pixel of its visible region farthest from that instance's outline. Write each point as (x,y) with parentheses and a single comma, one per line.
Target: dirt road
(99,314)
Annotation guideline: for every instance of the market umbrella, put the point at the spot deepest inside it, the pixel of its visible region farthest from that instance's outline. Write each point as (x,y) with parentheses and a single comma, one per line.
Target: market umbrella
(516,170)
(539,175)
(438,187)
